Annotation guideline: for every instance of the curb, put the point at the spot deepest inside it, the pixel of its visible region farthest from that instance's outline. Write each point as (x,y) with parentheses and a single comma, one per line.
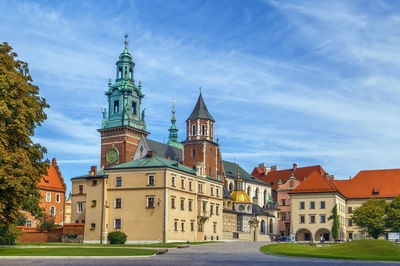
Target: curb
(73,257)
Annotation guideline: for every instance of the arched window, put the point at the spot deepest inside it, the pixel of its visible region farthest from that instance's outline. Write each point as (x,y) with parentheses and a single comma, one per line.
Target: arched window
(126,72)
(193,130)
(131,74)
(262,227)
(229,204)
(120,72)
(265,196)
(256,193)
(230,187)
(248,191)
(248,208)
(193,153)
(203,130)
(271,227)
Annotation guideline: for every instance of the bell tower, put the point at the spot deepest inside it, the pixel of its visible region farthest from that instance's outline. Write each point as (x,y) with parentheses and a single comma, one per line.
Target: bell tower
(199,146)
(123,124)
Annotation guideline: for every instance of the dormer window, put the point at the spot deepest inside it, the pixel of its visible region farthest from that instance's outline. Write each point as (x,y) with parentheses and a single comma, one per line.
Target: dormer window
(116,107)
(193,130)
(375,191)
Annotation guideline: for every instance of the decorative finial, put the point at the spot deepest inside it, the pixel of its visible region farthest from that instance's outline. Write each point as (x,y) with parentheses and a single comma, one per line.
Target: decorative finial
(109,80)
(200,89)
(126,40)
(173,105)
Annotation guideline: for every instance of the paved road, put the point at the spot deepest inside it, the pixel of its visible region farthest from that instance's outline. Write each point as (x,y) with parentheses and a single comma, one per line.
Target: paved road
(234,253)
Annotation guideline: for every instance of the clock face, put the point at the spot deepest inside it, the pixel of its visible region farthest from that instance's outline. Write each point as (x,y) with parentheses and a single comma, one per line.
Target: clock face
(112,155)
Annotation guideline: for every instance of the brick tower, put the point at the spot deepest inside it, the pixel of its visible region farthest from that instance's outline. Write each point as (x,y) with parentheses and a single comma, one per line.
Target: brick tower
(199,146)
(123,125)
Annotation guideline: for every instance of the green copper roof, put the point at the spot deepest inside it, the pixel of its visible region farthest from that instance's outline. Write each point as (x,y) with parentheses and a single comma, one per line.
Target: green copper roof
(231,170)
(270,200)
(154,161)
(100,173)
(173,132)
(200,111)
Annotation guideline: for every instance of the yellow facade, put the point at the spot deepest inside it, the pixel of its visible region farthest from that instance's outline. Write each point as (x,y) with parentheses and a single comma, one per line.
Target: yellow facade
(183,206)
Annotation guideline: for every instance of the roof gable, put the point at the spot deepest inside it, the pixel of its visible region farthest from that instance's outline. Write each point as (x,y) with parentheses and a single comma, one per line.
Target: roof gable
(315,182)
(52,179)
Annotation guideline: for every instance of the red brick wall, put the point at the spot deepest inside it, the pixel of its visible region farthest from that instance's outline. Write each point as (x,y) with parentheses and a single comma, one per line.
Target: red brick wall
(209,129)
(36,235)
(73,228)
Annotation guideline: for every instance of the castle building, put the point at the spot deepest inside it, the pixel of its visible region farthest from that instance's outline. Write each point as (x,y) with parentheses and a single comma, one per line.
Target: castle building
(313,200)
(52,190)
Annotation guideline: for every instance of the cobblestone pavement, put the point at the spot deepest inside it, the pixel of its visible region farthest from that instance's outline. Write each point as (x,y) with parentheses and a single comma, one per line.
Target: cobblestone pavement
(229,253)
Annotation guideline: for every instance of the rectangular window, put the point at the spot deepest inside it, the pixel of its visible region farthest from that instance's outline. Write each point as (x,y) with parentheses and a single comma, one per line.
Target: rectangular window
(183,226)
(193,153)
(80,189)
(283,202)
(176,225)
(204,207)
(283,216)
(350,222)
(190,205)
(29,223)
(312,219)
(212,191)
(215,227)
(217,192)
(150,201)
(200,227)
(52,210)
(191,225)
(173,181)
(118,204)
(92,226)
(182,204)
(312,205)
(79,207)
(322,204)
(94,183)
(58,198)
(350,235)
(118,181)
(211,209)
(134,108)
(117,224)
(190,185)
(302,205)
(217,209)
(48,196)
(200,188)
(302,219)
(93,204)
(173,203)
(151,180)
(350,209)
(323,218)
(182,183)
(116,107)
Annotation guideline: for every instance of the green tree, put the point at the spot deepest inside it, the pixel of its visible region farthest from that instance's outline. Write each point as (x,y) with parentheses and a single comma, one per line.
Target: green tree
(21,160)
(393,215)
(335,224)
(371,215)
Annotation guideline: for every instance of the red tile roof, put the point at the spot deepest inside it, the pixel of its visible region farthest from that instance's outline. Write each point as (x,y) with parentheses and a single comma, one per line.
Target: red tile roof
(315,182)
(366,184)
(275,175)
(53,179)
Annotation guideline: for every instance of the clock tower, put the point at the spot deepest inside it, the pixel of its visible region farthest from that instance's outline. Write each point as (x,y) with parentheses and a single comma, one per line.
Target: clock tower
(123,124)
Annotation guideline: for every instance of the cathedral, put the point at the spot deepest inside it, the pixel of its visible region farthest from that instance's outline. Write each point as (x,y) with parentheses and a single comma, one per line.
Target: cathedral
(184,190)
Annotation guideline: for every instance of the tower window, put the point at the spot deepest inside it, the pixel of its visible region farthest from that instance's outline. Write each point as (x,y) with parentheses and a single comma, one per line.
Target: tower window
(120,72)
(134,108)
(116,107)
(193,153)
(203,130)
(131,74)
(126,72)
(193,130)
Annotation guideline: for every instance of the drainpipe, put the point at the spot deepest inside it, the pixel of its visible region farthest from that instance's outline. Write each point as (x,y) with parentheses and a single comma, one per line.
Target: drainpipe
(102,212)
(165,207)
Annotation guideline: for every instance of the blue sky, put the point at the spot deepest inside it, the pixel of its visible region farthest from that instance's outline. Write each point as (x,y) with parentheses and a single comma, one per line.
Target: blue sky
(310,82)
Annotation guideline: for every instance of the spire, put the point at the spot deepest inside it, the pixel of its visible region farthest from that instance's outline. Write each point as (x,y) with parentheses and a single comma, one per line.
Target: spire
(200,110)
(173,130)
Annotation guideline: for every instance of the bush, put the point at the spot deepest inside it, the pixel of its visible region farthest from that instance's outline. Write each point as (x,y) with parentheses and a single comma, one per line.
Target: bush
(116,237)
(8,235)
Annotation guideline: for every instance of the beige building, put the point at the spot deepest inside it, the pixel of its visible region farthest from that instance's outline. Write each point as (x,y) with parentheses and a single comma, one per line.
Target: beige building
(152,199)
(313,200)
(67,219)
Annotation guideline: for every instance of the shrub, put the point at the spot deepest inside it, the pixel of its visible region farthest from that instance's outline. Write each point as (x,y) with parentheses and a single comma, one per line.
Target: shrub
(116,237)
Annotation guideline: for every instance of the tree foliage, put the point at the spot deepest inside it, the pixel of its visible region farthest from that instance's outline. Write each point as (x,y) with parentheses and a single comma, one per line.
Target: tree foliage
(371,215)
(21,160)
(393,215)
(335,224)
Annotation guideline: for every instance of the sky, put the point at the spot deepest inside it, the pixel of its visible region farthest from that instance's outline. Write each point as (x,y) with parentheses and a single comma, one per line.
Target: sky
(306,82)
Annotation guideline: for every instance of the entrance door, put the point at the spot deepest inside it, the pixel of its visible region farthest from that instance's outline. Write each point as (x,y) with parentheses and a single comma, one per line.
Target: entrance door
(307,236)
(326,236)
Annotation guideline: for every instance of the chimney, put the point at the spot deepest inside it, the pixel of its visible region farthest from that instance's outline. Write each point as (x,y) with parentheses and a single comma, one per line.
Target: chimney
(274,168)
(264,167)
(332,177)
(93,170)
(149,154)
(294,166)
(349,177)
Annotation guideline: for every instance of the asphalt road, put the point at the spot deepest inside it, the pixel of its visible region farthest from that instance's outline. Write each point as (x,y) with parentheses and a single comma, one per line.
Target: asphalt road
(234,253)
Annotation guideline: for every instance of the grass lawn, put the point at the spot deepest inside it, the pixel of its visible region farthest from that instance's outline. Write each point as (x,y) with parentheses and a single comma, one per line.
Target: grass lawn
(361,250)
(154,245)
(75,252)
